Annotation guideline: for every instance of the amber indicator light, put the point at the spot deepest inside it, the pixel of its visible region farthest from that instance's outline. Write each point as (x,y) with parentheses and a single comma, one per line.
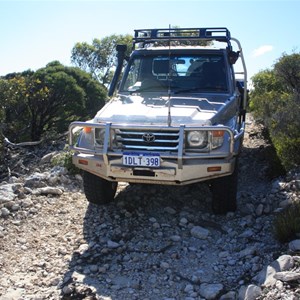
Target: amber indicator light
(214,169)
(83,162)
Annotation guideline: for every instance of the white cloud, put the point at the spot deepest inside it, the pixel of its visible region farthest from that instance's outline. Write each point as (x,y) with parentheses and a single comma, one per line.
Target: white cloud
(262,50)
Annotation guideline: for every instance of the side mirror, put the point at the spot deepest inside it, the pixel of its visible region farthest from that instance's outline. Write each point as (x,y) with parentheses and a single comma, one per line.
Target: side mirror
(121,48)
(233,56)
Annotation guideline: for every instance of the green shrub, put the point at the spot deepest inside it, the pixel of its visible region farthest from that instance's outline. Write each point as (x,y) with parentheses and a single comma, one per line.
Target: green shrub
(287,223)
(285,132)
(275,101)
(64,159)
(287,149)
(31,104)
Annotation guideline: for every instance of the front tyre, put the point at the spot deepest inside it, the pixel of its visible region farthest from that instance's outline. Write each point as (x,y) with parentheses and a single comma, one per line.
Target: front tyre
(224,192)
(98,190)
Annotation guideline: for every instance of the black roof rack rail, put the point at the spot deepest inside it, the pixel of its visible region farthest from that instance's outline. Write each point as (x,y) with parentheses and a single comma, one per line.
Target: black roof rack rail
(147,36)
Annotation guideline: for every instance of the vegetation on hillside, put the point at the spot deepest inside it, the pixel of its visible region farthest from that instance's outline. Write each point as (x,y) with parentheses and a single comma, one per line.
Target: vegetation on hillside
(36,103)
(275,101)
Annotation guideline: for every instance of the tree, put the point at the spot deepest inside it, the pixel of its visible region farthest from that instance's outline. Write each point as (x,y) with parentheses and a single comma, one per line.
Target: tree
(99,58)
(48,100)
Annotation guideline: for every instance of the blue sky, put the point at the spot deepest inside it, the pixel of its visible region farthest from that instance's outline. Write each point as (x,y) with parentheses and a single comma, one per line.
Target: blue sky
(34,33)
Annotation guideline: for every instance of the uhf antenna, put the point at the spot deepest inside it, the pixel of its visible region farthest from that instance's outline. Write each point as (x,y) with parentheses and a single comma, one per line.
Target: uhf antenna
(169,81)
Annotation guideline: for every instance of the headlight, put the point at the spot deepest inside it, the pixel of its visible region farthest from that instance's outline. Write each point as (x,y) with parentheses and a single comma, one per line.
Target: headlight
(197,139)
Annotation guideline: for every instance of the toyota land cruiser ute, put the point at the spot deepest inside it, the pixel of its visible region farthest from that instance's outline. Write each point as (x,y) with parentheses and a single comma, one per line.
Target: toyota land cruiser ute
(176,117)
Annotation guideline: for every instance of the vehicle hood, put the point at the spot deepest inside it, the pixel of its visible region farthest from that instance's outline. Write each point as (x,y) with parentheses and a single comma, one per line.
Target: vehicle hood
(154,110)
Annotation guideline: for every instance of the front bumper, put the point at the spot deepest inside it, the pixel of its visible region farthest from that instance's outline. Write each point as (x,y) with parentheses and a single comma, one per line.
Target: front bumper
(168,173)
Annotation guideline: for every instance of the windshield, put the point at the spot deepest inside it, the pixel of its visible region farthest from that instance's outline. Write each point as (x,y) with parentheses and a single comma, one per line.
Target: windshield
(182,73)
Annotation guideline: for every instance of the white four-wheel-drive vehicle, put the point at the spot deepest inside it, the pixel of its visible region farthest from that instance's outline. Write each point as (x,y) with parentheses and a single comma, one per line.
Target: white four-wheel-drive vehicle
(177,117)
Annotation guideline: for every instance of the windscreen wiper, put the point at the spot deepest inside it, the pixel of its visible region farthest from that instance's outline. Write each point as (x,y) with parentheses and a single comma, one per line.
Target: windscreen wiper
(152,88)
(210,88)
(188,90)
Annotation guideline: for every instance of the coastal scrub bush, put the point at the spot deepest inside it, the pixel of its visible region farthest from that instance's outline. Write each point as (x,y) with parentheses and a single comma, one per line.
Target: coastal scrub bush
(275,101)
(64,159)
(287,223)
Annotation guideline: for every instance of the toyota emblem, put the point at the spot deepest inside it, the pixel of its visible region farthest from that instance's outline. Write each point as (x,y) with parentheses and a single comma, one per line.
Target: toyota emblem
(148,137)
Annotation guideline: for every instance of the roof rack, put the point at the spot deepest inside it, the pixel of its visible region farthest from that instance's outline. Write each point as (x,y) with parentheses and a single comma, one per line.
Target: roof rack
(148,36)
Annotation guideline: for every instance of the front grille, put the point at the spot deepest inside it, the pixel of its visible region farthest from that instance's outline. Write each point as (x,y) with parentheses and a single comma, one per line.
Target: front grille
(128,139)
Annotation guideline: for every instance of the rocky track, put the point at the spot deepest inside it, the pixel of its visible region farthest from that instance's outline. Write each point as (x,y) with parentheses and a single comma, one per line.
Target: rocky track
(152,242)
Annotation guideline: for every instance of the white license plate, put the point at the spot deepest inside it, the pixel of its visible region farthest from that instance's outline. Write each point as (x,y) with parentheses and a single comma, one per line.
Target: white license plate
(141,159)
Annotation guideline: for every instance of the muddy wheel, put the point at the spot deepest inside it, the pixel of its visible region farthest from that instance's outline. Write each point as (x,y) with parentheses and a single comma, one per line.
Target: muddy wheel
(98,190)
(224,192)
